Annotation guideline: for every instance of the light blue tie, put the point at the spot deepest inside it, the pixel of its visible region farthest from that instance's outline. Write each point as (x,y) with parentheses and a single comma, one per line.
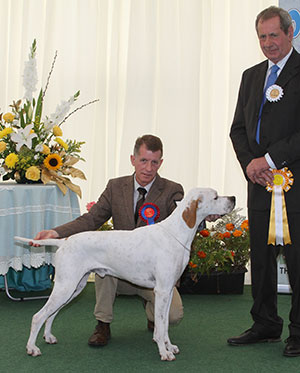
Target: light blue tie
(271,80)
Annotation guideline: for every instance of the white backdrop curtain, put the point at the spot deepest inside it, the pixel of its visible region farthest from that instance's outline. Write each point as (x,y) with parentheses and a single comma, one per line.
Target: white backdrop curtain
(167,67)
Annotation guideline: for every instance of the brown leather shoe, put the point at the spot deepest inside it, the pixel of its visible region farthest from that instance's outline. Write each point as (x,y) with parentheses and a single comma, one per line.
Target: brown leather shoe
(150,325)
(101,335)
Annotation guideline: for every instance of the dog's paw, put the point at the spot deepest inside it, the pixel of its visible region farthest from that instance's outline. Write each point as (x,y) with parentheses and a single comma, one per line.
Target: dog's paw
(172,348)
(51,339)
(167,356)
(33,350)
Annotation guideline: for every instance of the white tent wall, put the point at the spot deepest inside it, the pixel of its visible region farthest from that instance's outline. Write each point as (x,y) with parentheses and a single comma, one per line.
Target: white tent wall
(166,67)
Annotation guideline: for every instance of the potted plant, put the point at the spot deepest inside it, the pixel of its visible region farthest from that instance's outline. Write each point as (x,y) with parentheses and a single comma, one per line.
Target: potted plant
(219,255)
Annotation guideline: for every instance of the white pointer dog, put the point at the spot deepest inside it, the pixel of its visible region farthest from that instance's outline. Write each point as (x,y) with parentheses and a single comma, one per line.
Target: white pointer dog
(153,256)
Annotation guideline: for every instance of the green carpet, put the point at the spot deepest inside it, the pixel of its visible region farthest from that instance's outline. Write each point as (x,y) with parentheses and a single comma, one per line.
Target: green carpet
(201,336)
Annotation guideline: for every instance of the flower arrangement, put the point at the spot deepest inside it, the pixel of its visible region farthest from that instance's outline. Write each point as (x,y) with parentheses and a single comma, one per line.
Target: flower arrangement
(224,247)
(31,148)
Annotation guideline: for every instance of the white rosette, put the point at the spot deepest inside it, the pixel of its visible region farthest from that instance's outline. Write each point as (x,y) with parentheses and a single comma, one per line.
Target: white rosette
(274,93)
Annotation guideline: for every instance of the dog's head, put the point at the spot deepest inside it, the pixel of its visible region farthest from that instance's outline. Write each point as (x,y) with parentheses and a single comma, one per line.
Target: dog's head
(202,202)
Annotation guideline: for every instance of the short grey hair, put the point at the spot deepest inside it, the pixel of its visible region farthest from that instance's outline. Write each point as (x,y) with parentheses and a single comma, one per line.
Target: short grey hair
(274,11)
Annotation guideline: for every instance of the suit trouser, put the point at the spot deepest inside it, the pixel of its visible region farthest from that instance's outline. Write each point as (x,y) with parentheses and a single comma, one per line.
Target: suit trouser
(264,274)
(108,287)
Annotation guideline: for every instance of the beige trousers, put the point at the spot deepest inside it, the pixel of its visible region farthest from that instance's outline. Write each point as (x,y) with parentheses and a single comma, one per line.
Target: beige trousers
(108,287)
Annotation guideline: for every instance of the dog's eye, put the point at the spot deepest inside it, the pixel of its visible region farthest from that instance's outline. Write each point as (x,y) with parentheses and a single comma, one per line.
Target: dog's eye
(216,197)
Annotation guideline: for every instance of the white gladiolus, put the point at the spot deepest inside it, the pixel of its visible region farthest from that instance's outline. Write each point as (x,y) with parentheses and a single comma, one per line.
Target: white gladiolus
(30,78)
(60,113)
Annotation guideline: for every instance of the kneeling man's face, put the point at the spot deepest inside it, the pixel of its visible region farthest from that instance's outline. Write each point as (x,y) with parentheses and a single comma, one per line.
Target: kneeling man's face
(146,164)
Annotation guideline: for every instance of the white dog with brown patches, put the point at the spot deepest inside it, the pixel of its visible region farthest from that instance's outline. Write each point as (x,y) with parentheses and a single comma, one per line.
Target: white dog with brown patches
(153,256)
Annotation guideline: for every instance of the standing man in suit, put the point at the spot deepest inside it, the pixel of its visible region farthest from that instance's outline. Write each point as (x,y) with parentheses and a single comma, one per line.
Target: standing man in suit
(119,201)
(266,137)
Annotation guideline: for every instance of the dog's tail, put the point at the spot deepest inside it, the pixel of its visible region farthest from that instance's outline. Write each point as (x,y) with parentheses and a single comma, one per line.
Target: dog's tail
(47,242)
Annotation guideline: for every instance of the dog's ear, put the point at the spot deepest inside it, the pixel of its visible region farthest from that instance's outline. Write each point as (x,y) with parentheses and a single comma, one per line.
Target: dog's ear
(189,214)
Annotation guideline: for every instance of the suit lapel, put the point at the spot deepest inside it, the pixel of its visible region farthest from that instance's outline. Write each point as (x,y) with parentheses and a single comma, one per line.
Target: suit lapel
(155,190)
(128,187)
(290,69)
(259,83)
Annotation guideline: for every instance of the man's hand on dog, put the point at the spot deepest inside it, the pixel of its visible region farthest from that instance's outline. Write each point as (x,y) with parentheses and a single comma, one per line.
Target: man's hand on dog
(50,233)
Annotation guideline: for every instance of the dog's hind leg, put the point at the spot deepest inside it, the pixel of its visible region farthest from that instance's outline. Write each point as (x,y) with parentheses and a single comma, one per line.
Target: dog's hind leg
(161,337)
(61,295)
(48,336)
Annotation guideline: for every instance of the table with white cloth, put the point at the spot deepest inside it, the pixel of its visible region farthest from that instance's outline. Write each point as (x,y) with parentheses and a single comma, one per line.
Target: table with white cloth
(26,209)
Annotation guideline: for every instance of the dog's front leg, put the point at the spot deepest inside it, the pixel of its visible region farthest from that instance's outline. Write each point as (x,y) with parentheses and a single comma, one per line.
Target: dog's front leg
(169,345)
(161,337)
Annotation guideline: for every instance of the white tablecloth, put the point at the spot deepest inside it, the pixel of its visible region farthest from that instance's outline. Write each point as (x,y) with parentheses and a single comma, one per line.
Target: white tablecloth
(26,209)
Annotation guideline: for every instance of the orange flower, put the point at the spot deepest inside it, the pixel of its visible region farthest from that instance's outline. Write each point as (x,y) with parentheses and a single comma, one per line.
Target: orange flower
(237,233)
(201,254)
(192,265)
(245,225)
(230,227)
(218,236)
(226,234)
(204,233)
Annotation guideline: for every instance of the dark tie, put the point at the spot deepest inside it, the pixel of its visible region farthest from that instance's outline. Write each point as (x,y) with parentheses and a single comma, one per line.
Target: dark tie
(141,200)
(271,80)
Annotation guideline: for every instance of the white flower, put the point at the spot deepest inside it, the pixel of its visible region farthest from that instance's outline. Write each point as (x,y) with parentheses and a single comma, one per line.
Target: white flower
(2,171)
(39,148)
(23,137)
(59,115)
(30,78)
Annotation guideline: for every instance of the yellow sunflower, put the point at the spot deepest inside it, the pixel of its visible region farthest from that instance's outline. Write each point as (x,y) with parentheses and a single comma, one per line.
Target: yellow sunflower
(53,162)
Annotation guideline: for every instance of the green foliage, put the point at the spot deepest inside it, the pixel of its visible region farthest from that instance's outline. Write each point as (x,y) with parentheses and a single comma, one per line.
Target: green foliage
(224,247)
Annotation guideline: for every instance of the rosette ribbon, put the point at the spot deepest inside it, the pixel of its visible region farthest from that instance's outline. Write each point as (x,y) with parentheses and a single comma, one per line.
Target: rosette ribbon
(279,233)
(149,212)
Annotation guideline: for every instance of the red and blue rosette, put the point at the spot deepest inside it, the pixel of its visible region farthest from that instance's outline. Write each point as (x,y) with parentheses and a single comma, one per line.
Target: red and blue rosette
(149,212)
